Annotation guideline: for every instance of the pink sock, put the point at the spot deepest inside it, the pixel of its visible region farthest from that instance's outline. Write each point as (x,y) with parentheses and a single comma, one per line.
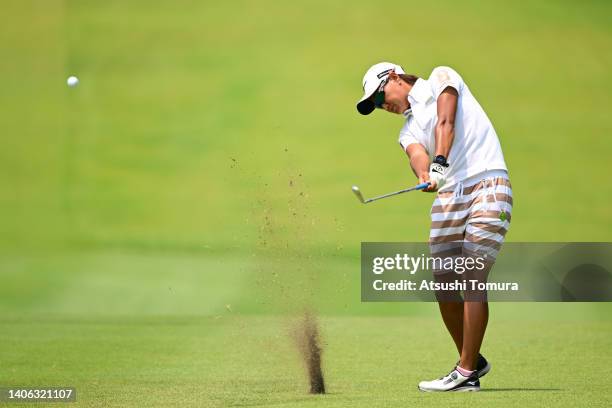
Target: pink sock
(464,372)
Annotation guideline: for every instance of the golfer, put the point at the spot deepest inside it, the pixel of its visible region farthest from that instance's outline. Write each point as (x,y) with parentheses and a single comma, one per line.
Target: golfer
(451,144)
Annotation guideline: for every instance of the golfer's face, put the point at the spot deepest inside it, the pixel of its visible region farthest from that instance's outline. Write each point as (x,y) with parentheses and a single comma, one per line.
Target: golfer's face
(395,97)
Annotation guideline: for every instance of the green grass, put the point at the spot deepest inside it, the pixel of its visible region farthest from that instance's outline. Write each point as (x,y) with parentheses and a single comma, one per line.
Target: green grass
(163,221)
(192,117)
(151,329)
(233,360)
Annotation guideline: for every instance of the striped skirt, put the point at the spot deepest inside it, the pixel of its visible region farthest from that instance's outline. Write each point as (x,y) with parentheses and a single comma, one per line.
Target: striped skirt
(473,219)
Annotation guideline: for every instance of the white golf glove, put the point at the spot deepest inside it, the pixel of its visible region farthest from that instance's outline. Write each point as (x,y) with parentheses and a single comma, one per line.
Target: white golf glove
(437,174)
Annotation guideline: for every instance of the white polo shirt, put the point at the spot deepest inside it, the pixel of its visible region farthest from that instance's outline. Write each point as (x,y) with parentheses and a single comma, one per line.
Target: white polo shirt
(475,147)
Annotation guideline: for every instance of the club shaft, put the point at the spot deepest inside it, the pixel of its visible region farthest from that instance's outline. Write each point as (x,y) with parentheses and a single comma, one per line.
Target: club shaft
(418,187)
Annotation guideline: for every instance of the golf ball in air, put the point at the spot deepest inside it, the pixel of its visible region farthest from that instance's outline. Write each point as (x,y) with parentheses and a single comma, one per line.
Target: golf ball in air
(72,81)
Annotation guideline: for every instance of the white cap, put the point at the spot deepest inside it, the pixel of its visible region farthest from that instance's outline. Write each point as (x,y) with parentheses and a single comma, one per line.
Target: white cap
(371,81)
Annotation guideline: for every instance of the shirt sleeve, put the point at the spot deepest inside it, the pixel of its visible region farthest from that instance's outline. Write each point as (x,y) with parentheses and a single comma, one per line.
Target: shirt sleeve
(443,77)
(406,139)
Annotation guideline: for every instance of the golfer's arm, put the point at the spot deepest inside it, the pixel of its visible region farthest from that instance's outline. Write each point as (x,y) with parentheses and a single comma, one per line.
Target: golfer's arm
(419,160)
(445,127)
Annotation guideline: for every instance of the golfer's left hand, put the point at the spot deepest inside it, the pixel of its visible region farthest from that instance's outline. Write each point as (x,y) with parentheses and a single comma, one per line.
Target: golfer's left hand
(437,176)
(424,178)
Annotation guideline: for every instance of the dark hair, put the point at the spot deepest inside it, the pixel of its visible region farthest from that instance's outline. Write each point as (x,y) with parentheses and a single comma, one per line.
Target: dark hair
(411,79)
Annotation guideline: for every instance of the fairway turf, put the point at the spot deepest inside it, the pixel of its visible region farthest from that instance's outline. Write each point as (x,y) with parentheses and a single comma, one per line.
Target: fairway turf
(166,222)
(124,336)
(250,361)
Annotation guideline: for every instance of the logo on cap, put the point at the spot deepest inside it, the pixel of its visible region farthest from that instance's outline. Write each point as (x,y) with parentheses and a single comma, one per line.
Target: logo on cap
(382,74)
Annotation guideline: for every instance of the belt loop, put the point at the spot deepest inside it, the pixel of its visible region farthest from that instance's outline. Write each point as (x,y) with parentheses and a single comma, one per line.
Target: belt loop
(494,188)
(459,189)
(491,190)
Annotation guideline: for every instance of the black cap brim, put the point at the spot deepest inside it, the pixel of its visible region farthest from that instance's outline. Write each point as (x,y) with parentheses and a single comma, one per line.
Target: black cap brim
(366,107)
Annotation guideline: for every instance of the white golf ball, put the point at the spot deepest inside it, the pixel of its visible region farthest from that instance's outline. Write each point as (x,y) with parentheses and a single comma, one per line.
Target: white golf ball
(72,81)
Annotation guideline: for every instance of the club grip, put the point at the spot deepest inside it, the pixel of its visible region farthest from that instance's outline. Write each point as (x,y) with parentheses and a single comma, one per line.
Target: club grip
(422,186)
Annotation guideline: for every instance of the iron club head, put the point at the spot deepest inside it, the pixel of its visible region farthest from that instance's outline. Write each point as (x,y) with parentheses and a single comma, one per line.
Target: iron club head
(358,194)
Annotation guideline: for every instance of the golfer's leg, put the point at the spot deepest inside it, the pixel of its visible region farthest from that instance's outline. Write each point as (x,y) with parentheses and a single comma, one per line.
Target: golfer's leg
(484,236)
(452,314)
(445,240)
(450,303)
(475,319)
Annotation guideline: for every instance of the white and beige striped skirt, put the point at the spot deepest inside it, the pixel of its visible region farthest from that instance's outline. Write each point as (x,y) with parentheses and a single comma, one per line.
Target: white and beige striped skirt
(473,219)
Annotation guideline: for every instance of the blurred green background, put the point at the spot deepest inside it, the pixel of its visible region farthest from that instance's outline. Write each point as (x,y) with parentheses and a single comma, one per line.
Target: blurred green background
(199,175)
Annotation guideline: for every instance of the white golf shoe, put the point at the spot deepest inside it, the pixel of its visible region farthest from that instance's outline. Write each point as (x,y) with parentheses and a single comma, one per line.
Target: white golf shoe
(482,366)
(453,381)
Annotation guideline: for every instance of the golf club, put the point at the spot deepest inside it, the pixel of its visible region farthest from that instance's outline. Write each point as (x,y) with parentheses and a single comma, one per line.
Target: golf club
(369,200)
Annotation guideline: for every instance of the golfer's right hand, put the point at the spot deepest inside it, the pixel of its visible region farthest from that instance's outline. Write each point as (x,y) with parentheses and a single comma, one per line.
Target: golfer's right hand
(424,178)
